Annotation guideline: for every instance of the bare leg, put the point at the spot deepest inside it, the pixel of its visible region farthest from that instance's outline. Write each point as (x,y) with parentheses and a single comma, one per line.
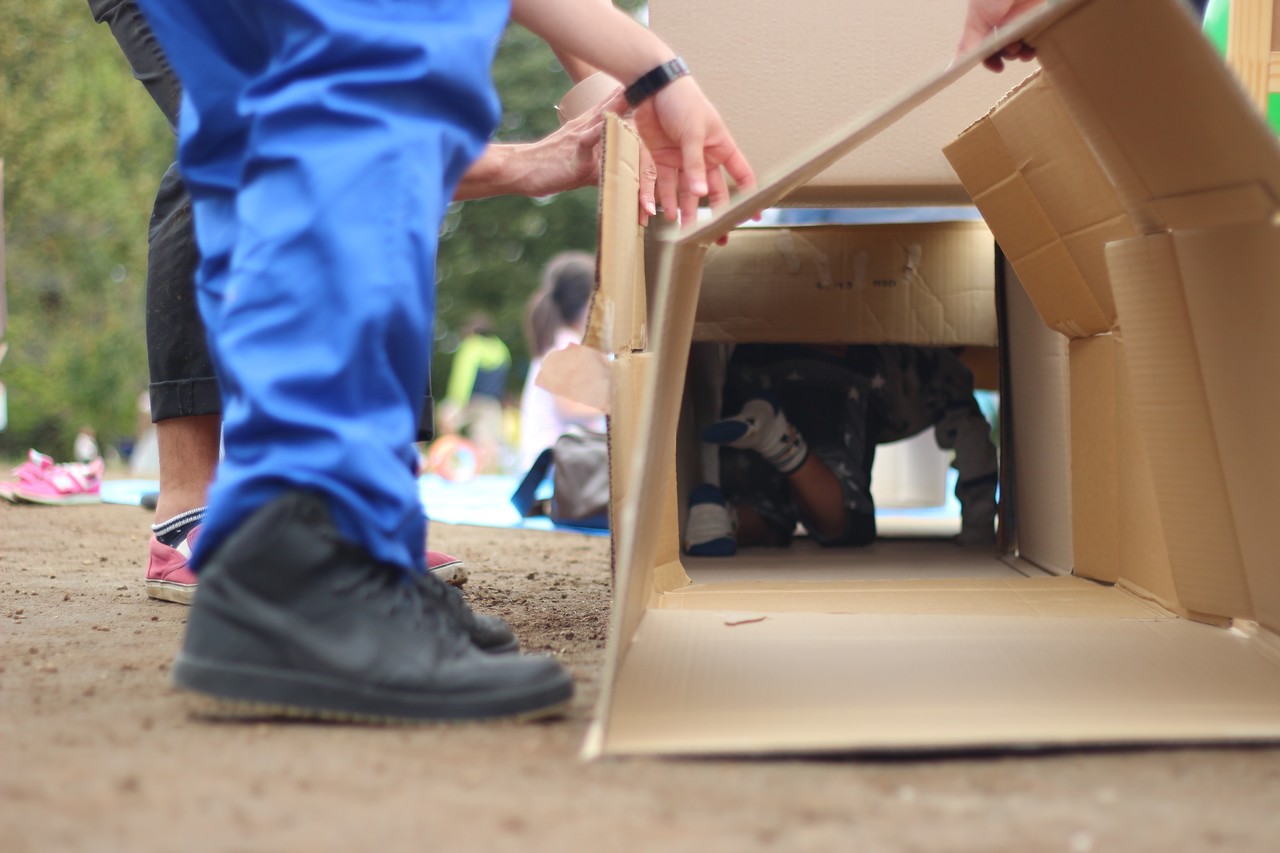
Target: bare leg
(820,497)
(753,530)
(188,458)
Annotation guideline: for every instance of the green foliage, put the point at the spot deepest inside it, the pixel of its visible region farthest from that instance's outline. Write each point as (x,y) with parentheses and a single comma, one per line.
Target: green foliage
(83,147)
(492,250)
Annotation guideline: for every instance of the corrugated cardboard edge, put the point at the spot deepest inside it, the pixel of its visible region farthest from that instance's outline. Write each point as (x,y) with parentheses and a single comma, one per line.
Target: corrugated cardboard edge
(616,318)
(675,303)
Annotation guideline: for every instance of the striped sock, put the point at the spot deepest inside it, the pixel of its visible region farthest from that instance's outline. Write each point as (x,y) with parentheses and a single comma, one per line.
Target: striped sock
(174,530)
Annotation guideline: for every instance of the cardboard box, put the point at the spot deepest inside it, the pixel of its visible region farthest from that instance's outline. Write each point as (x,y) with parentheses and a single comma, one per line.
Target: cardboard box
(1033,177)
(1147,613)
(786,76)
(926,283)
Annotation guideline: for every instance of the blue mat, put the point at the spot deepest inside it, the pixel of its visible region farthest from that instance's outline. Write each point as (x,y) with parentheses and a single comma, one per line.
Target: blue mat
(485,501)
(128,492)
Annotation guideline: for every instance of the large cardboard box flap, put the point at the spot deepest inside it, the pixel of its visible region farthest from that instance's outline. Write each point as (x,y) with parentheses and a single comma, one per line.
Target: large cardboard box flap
(1051,205)
(782,664)
(1173,127)
(785,74)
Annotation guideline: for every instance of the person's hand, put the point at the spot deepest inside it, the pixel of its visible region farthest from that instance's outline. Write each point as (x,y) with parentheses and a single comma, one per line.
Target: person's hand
(691,149)
(566,159)
(984,17)
(648,181)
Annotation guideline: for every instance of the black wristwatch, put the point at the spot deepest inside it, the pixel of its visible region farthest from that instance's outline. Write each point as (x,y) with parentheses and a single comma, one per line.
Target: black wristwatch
(655,81)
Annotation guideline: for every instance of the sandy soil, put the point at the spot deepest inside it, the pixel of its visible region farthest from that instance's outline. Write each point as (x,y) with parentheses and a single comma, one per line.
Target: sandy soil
(97,751)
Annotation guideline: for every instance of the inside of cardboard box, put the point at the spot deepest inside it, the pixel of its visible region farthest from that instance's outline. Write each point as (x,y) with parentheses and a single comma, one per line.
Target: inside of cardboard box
(913,644)
(911,545)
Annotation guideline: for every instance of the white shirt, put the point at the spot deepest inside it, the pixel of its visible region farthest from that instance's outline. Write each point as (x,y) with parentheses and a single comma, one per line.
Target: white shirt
(541,423)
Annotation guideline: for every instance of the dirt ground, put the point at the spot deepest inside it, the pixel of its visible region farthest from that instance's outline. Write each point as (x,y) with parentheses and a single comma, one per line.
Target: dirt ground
(98,752)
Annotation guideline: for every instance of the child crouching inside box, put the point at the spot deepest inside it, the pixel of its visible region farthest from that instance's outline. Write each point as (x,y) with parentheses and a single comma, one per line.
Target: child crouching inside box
(798,438)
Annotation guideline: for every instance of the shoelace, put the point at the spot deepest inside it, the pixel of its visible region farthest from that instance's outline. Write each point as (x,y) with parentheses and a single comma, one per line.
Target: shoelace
(402,592)
(449,597)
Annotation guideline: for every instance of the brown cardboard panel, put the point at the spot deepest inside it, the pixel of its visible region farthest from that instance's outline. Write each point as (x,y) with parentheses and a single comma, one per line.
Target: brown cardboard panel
(644,487)
(928,283)
(785,178)
(775,94)
(1174,414)
(617,321)
(1117,532)
(985,364)
(1170,123)
(722,682)
(1039,397)
(1095,450)
(1044,597)
(580,373)
(805,561)
(1144,550)
(1049,202)
(747,681)
(1230,280)
(630,370)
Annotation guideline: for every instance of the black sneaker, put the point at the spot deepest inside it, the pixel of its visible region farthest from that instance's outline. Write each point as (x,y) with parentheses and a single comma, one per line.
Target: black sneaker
(490,633)
(292,620)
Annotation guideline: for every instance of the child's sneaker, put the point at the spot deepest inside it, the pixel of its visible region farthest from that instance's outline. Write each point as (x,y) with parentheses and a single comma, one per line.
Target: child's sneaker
(169,575)
(64,485)
(709,529)
(34,468)
(447,568)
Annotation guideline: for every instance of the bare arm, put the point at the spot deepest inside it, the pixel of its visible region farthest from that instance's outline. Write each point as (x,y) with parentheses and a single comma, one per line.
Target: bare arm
(564,160)
(680,127)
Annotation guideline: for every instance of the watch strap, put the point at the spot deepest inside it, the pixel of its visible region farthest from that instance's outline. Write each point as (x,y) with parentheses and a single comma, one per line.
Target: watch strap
(655,81)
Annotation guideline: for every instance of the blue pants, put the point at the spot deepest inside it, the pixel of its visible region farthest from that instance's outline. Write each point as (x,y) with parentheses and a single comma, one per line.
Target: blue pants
(321,141)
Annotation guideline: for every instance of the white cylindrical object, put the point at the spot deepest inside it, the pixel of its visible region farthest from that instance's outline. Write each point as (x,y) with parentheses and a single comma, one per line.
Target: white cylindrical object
(910,473)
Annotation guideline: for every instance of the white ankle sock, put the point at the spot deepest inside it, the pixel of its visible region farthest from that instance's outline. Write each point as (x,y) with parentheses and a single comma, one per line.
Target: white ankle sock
(761,426)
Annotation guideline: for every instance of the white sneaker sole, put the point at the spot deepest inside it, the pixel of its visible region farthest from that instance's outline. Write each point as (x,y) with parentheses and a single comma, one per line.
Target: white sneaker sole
(178,593)
(454,574)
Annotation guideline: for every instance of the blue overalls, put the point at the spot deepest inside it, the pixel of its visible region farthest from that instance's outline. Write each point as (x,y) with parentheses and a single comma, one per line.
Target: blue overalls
(321,141)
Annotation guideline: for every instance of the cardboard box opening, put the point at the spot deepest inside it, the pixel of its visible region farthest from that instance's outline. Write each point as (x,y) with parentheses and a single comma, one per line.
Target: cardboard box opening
(1137,601)
(923,285)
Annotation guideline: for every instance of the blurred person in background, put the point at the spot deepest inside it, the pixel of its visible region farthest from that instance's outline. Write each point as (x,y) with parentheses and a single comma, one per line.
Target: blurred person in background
(556,318)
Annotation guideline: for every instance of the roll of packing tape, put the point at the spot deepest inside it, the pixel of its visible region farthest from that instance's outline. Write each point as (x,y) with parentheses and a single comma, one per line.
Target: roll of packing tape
(585,95)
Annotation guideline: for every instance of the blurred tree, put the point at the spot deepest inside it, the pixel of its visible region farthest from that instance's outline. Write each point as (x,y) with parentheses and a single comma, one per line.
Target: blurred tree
(84,148)
(492,250)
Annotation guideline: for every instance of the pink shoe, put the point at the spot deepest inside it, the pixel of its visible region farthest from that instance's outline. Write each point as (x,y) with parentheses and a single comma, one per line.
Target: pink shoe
(447,568)
(64,485)
(34,468)
(169,575)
